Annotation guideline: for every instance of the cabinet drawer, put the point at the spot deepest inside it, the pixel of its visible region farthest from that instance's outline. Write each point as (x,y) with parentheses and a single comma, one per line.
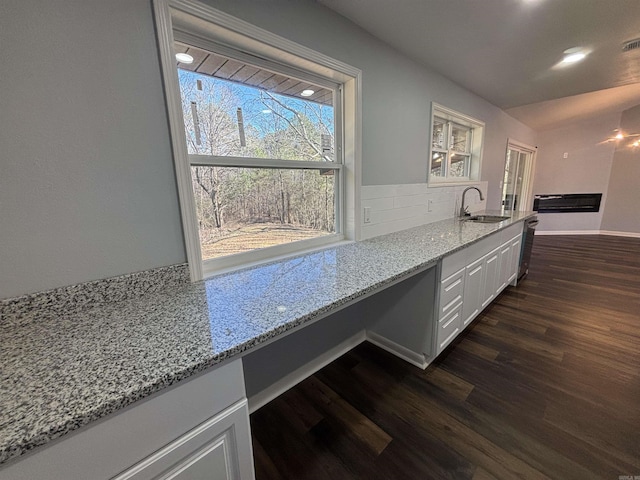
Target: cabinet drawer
(449,327)
(451,291)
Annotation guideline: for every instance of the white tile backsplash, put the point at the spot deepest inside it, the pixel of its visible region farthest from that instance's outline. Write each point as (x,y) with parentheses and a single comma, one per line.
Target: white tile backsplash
(398,207)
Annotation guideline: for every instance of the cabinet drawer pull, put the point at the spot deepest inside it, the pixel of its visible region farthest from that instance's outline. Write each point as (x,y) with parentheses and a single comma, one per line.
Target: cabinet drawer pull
(453,285)
(451,303)
(478,268)
(450,320)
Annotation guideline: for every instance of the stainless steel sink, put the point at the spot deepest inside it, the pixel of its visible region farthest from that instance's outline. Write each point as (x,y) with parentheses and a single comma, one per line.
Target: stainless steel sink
(486,218)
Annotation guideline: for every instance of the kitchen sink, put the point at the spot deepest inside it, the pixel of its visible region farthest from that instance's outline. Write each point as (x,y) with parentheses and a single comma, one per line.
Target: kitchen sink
(486,218)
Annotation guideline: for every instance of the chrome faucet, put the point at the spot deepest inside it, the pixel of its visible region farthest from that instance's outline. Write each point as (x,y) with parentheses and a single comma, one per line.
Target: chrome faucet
(463,209)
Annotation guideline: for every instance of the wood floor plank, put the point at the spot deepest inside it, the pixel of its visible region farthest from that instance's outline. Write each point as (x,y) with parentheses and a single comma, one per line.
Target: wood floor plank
(543,384)
(478,349)
(370,434)
(457,387)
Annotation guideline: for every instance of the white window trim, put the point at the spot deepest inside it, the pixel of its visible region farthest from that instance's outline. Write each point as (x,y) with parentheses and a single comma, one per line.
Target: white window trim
(477,148)
(529,173)
(196,18)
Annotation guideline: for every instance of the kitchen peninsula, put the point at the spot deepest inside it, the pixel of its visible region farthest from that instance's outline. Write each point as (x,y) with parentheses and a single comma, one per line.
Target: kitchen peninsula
(66,367)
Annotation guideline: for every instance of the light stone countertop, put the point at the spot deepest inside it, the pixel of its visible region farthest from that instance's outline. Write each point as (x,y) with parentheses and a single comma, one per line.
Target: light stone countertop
(59,371)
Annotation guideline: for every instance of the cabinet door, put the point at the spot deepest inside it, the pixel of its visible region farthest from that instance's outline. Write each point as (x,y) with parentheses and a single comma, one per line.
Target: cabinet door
(505,265)
(516,244)
(218,449)
(491,272)
(473,291)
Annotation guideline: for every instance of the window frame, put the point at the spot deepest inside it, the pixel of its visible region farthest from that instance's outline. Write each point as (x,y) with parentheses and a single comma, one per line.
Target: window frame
(194,23)
(473,153)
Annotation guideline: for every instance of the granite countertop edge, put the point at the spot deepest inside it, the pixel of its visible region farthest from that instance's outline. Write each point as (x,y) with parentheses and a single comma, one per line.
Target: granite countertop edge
(12,448)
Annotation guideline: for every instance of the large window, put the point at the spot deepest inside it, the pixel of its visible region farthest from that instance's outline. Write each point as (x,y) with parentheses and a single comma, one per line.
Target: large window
(265,164)
(261,146)
(456,147)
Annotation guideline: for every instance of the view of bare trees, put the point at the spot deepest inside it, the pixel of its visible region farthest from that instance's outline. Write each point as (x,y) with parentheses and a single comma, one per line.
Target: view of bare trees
(232,120)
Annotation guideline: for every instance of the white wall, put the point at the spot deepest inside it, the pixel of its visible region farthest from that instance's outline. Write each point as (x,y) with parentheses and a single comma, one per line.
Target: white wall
(622,210)
(397,93)
(585,170)
(397,207)
(87,188)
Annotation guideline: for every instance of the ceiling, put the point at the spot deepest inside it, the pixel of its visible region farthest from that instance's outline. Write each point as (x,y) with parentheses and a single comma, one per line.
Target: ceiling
(219,66)
(507,51)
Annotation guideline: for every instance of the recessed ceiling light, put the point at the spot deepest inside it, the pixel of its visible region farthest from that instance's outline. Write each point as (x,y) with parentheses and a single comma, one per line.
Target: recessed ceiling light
(184,58)
(573,55)
(307,93)
(619,136)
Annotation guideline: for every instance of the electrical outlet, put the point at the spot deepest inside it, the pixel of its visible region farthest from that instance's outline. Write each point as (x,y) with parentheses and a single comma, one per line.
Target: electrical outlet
(367,214)
(429,205)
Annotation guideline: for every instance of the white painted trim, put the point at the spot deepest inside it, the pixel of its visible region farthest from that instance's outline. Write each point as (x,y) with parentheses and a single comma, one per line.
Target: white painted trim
(248,162)
(589,232)
(164,35)
(620,234)
(475,150)
(526,202)
(568,232)
(276,389)
(216,266)
(185,15)
(310,249)
(399,351)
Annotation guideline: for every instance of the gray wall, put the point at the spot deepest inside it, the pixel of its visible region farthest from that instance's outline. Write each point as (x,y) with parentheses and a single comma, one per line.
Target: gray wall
(622,212)
(586,170)
(87,189)
(397,92)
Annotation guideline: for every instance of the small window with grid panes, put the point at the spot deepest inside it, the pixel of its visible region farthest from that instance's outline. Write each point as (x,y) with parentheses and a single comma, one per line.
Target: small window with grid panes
(456,145)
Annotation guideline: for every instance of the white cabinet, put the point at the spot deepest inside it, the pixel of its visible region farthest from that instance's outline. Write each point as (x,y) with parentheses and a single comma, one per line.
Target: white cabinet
(505,264)
(215,450)
(450,309)
(196,430)
(491,276)
(516,246)
(472,278)
(472,302)
(509,261)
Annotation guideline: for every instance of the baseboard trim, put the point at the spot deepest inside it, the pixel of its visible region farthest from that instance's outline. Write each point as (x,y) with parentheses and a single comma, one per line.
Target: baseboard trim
(589,232)
(568,232)
(397,350)
(620,234)
(260,399)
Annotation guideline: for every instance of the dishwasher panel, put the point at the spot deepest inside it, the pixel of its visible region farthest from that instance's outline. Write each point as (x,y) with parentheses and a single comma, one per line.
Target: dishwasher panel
(527,246)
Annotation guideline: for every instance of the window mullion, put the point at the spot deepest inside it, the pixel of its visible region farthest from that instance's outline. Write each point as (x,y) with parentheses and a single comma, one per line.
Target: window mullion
(249,162)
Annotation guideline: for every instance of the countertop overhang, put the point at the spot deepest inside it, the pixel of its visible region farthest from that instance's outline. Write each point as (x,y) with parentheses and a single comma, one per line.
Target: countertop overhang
(62,371)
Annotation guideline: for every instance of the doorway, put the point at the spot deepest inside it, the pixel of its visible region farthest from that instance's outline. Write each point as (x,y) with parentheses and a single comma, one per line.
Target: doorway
(517,182)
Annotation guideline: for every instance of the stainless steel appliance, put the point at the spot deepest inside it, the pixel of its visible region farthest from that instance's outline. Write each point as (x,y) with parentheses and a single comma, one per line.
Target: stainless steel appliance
(527,245)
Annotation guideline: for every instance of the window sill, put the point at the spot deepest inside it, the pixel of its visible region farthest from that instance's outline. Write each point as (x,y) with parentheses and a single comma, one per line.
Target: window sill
(213,268)
(449,183)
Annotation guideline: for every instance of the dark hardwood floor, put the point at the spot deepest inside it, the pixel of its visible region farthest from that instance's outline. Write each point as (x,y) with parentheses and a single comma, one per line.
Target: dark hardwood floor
(544,384)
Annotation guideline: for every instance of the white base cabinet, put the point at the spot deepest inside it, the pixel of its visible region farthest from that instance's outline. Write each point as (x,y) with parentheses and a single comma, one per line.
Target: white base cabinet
(196,430)
(215,450)
(474,278)
(471,280)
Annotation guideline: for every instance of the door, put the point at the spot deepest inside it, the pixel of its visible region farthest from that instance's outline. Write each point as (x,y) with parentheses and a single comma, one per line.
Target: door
(518,177)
